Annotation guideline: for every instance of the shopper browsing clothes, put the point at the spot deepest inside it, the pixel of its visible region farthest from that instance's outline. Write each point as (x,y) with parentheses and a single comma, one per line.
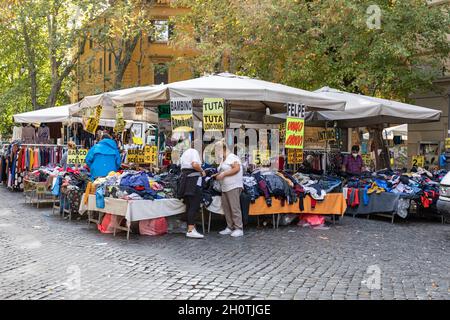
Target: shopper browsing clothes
(190,188)
(103,157)
(231,179)
(353,164)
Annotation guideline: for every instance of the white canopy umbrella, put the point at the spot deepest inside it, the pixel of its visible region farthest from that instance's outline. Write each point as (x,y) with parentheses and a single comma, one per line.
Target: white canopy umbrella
(109,100)
(48,115)
(59,114)
(389,133)
(365,110)
(247,94)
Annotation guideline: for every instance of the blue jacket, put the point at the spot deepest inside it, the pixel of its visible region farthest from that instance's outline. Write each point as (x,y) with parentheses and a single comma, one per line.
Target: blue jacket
(103,158)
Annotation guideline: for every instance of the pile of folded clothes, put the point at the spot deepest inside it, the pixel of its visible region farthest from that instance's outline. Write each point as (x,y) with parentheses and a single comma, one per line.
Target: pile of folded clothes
(43,173)
(136,185)
(421,186)
(289,188)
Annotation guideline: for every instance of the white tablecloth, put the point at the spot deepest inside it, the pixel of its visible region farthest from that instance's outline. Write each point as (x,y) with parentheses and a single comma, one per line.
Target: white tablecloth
(136,210)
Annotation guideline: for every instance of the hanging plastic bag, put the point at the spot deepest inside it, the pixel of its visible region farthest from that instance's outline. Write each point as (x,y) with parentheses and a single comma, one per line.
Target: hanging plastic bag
(100,197)
(56,189)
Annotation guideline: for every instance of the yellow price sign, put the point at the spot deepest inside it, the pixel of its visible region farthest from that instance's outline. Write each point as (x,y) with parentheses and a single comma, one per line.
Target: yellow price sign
(295,156)
(150,155)
(418,161)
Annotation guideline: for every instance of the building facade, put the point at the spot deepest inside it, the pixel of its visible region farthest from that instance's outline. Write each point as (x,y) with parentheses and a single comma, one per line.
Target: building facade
(153,61)
(428,139)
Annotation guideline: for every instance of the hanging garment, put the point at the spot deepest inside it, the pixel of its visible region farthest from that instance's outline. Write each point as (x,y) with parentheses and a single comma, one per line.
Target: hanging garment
(28,134)
(43,135)
(31,153)
(36,162)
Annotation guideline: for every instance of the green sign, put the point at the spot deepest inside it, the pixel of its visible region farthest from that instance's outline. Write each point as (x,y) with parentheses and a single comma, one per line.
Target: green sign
(164,111)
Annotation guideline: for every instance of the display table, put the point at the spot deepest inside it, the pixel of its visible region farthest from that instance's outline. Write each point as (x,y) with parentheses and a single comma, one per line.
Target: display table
(333,204)
(133,210)
(382,203)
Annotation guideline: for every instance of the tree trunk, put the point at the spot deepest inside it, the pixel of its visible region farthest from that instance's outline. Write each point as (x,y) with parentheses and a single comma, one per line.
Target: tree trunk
(124,60)
(59,79)
(381,160)
(31,64)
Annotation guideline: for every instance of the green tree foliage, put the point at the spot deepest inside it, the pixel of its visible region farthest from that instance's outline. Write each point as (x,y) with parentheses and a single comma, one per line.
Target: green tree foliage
(41,44)
(309,44)
(118,31)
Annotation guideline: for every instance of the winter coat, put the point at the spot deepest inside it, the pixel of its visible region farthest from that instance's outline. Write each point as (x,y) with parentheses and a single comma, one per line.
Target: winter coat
(103,158)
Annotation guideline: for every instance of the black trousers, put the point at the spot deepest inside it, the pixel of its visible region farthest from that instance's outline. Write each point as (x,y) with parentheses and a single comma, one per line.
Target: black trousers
(193,205)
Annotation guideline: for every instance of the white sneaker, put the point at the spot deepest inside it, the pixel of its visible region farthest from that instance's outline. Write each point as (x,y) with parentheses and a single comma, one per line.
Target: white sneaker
(237,233)
(226,231)
(194,234)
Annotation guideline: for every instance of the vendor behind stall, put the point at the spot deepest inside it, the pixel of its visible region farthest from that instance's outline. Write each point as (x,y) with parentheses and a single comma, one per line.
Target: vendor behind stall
(103,157)
(353,164)
(190,188)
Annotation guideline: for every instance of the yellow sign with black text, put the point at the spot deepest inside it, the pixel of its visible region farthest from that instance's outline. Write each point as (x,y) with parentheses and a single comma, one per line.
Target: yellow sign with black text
(77,156)
(213,114)
(418,161)
(94,121)
(151,155)
(295,156)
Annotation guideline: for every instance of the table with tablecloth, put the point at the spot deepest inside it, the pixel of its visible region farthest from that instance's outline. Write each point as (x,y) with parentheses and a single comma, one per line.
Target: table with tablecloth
(332,204)
(386,204)
(136,210)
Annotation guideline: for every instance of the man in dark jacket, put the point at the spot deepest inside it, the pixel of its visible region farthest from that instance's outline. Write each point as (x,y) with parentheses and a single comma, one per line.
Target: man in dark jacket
(103,158)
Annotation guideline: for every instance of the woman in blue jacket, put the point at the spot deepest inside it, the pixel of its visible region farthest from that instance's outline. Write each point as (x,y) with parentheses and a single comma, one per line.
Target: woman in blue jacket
(103,157)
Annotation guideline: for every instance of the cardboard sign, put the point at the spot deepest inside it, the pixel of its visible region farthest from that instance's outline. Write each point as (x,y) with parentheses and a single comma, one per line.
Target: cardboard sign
(261,158)
(77,156)
(295,129)
(327,135)
(418,161)
(295,156)
(120,122)
(94,121)
(135,155)
(151,155)
(181,115)
(213,114)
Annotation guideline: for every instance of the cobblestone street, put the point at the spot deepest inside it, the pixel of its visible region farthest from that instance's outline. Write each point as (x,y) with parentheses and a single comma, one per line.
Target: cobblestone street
(45,257)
